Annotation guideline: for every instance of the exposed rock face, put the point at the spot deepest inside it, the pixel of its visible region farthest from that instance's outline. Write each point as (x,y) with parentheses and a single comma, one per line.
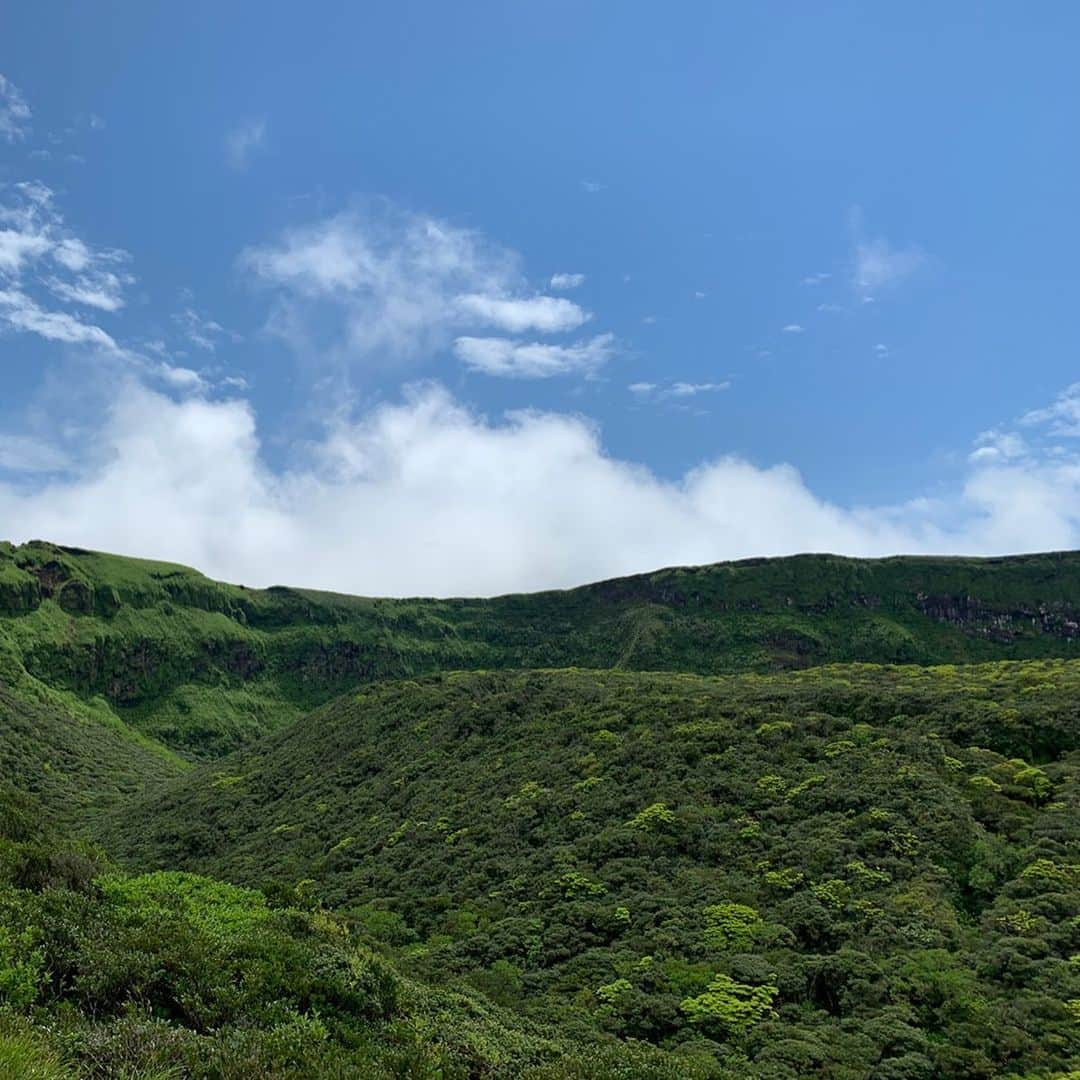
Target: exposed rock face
(342,661)
(50,575)
(1000,624)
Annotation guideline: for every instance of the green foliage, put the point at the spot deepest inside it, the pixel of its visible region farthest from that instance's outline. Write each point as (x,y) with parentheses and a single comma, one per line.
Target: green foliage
(654,818)
(446,848)
(886,866)
(20,968)
(168,975)
(728,1007)
(573,883)
(204,667)
(730,926)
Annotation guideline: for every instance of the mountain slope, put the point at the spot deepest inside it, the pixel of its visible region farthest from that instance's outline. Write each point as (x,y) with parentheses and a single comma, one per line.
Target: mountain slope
(723,855)
(844,872)
(204,667)
(106,975)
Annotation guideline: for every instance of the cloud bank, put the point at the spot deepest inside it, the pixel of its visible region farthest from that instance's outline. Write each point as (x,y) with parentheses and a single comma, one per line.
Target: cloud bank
(424,496)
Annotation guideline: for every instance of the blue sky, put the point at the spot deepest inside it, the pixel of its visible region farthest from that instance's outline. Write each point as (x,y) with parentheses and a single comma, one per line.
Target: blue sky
(464,298)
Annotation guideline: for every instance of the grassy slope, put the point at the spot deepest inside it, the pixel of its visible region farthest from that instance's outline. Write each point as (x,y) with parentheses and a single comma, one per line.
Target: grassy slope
(205,667)
(73,754)
(907,841)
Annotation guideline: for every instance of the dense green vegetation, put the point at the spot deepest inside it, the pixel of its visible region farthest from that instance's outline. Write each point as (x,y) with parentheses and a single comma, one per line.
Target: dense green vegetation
(772,819)
(167,975)
(849,871)
(204,667)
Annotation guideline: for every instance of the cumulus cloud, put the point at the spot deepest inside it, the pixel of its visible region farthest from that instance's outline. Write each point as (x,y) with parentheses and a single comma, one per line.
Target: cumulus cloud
(816,279)
(566,281)
(377,285)
(792,328)
(426,496)
(14,111)
(533,360)
(244,142)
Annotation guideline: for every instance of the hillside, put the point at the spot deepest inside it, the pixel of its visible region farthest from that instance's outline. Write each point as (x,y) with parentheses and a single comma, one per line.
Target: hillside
(848,871)
(753,821)
(106,975)
(205,667)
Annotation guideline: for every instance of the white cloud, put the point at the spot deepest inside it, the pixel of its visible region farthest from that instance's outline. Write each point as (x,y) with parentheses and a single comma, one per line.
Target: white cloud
(19,312)
(699,295)
(546,314)
(180,378)
(42,261)
(685,389)
(14,111)
(71,253)
(244,142)
(201,332)
(994,447)
(676,389)
(815,279)
(377,285)
(793,328)
(831,309)
(592,187)
(102,290)
(567,281)
(533,360)
(34,236)
(1063,416)
(424,496)
(381,286)
(877,265)
(18,248)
